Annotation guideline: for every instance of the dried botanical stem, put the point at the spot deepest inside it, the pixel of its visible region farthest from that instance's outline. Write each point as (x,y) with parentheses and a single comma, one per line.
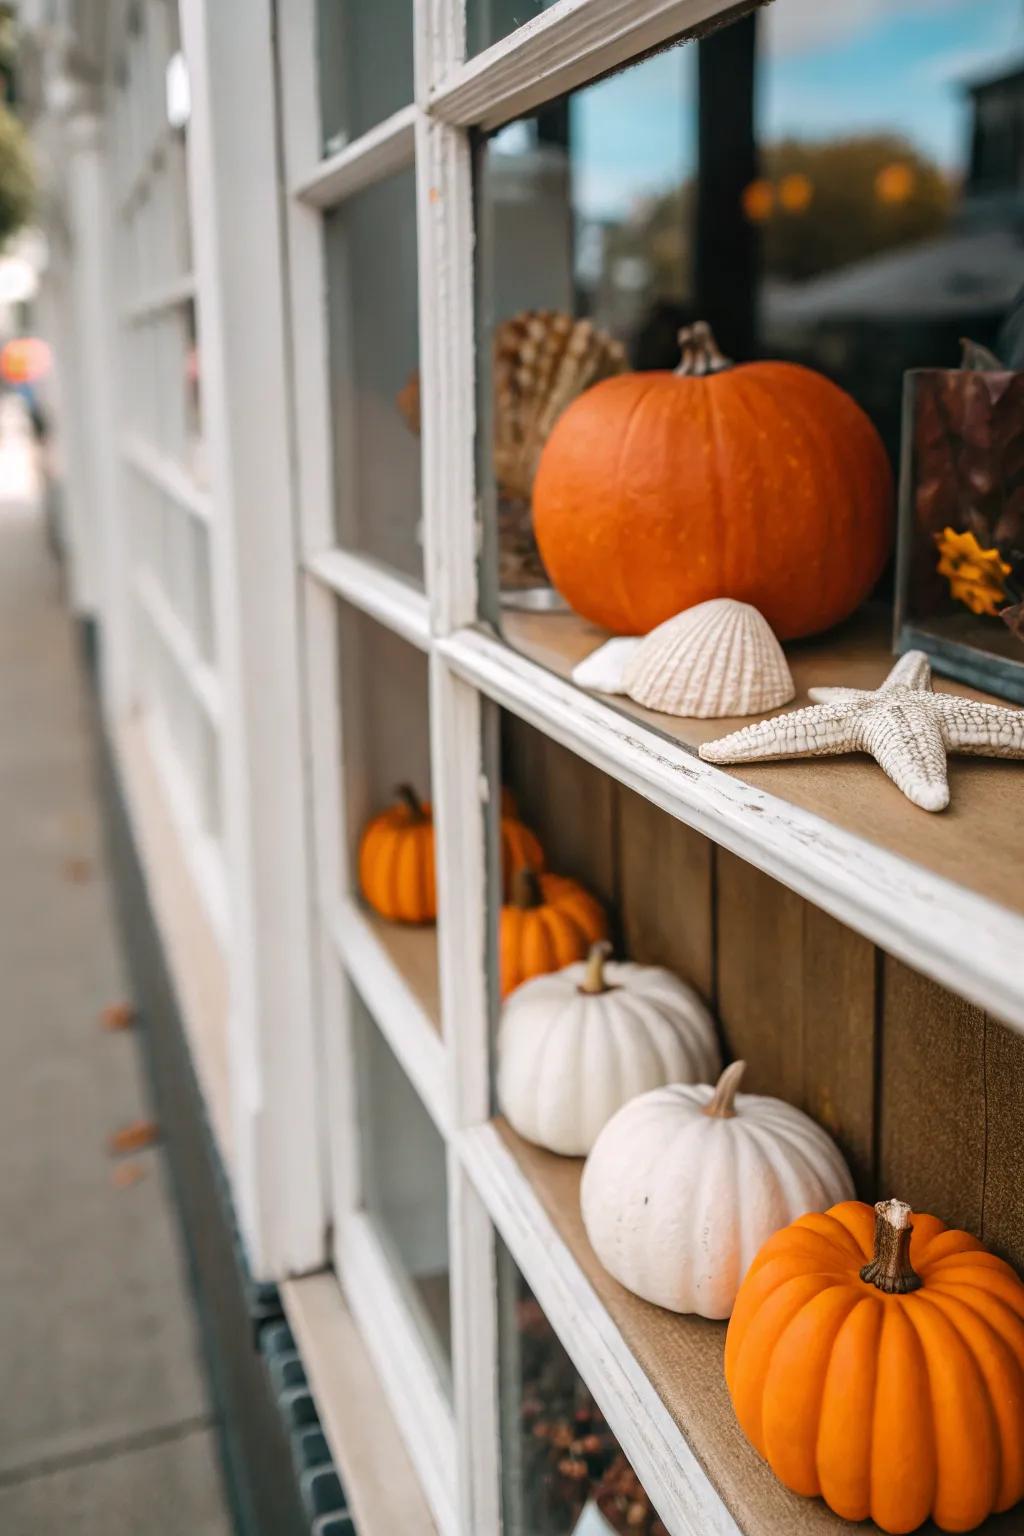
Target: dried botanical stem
(720,1104)
(891,1270)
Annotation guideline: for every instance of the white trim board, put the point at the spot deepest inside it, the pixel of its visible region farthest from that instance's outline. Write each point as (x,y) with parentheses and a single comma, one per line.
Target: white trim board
(397,1011)
(168,477)
(403,1362)
(571,44)
(384,150)
(656,1447)
(961,940)
(202,680)
(170,296)
(375,591)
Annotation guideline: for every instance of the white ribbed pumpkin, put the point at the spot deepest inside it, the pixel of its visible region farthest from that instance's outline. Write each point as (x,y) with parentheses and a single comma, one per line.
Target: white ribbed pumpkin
(685,1184)
(574,1046)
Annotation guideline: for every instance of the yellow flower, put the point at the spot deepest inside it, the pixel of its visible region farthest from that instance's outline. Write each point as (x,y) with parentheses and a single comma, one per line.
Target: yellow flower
(977,577)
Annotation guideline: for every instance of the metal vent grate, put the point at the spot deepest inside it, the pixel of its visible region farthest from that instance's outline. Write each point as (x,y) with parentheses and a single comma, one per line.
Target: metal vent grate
(319,1484)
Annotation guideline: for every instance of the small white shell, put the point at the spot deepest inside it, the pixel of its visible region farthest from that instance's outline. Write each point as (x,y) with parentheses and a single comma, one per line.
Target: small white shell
(719,658)
(603,671)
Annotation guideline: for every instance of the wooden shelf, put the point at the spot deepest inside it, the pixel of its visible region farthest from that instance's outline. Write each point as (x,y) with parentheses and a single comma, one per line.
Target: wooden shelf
(941,892)
(394,968)
(413,953)
(978,842)
(682,1359)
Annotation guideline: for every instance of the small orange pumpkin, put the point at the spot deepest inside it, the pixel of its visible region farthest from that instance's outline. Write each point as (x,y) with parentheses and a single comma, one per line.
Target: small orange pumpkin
(549,922)
(396,861)
(520,848)
(881,1365)
(766,483)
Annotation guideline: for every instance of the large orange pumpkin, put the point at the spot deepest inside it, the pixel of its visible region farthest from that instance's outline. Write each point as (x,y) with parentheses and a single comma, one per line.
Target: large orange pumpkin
(549,922)
(764,482)
(396,861)
(880,1364)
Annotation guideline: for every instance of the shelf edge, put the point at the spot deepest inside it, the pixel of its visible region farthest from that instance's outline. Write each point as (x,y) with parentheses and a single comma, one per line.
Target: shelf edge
(660,1454)
(959,939)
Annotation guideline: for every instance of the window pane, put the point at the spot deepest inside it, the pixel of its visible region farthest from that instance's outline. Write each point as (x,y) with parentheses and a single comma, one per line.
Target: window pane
(365,55)
(832,185)
(404,1184)
(487,21)
(374,317)
(561,1464)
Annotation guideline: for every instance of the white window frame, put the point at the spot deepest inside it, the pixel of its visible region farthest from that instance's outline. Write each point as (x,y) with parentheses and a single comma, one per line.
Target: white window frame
(234,907)
(957,938)
(455,1449)
(278,893)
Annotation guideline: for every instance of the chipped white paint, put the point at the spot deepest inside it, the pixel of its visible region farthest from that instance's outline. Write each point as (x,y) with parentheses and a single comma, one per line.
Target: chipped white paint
(565,46)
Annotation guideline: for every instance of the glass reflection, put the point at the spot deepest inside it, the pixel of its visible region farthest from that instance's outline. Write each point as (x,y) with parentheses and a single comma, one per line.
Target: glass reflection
(365,52)
(405,1186)
(563,1473)
(487,21)
(839,186)
(374,339)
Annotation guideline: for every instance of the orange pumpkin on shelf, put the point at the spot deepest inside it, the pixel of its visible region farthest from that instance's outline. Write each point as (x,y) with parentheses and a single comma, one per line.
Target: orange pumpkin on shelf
(880,1364)
(549,922)
(396,861)
(520,848)
(764,482)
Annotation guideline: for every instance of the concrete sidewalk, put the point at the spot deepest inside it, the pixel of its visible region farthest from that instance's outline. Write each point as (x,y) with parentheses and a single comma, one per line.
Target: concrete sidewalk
(105,1427)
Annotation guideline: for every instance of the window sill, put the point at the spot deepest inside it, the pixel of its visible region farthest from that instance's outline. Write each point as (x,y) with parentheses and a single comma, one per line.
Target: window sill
(380,1485)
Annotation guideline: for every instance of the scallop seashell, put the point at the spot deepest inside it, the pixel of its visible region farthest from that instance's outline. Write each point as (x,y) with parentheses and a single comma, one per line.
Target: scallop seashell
(719,658)
(543,359)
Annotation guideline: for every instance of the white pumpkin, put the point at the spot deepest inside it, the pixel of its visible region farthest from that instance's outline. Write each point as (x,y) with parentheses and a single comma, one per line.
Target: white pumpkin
(685,1184)
(576,1045)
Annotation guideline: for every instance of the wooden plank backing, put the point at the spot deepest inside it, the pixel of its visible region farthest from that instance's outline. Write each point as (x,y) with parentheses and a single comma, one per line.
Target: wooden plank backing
(569,804)
(796,998)
(665,892)
(1003,1203)
(932,1099)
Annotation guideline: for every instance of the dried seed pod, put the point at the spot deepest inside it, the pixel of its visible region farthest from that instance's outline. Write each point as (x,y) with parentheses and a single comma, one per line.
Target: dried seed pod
(543,359)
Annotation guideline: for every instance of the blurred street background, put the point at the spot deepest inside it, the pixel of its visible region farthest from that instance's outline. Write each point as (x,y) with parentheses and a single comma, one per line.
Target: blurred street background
(104,1422)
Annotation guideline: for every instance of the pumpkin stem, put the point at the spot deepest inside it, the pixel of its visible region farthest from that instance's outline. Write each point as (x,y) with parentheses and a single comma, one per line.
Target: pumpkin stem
(411,800)
(593,983)
(719,1106)
(526,890)
(700,353)
(891,1270)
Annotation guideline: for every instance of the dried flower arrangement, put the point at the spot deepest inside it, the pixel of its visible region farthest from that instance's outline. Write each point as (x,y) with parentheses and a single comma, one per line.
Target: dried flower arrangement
(962,508)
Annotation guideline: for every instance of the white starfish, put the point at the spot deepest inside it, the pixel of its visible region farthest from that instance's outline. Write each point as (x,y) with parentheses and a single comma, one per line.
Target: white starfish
(906,727)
